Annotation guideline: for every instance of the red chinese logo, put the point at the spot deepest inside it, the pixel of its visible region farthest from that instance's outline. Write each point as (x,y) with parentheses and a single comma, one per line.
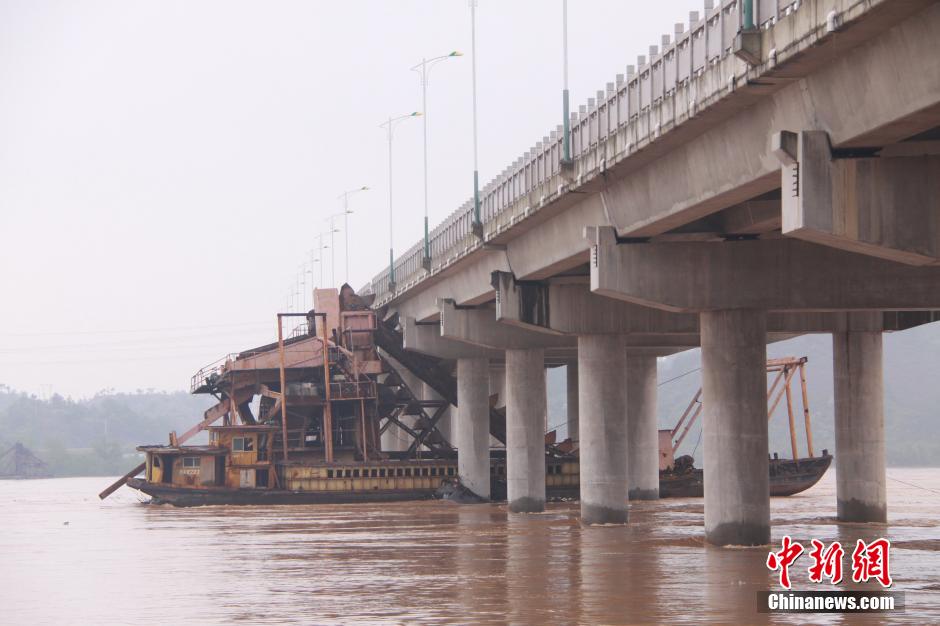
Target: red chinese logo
(782,560)
(868,561)
(826,563)
(871,561)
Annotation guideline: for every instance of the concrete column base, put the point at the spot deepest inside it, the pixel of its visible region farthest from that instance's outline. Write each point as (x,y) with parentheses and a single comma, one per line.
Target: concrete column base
(473,426)
(859,423)
(734,392)
(642,428)
(525,435)
(602,400)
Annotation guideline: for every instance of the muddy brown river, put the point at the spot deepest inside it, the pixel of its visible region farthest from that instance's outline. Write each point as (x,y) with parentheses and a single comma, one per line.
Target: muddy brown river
(67,558)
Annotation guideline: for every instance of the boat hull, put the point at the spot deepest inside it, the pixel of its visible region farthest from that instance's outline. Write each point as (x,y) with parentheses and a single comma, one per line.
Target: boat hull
(189,496)
(787,477)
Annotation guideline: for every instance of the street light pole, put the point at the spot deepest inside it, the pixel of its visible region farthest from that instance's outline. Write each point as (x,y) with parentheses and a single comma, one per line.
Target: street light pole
(320,248)
(477,221)
(566,116)
(332,254)
(389,126)
(424,67)
(345,196)
(391,223)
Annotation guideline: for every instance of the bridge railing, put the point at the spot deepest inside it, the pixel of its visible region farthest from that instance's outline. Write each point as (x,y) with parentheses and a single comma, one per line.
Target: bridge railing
(629,113)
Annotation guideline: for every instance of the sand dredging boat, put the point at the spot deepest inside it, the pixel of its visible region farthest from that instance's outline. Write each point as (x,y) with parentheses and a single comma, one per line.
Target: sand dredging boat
(679,478)
(301,420)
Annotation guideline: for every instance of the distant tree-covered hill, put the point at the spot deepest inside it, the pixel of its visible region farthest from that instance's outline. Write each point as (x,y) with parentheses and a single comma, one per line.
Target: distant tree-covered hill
(94,436)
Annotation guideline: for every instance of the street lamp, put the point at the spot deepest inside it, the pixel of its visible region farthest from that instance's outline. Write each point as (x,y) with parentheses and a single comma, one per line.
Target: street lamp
(389,127)
(477,221)
(320,248)
(345,196)
(332,247)
(566,117)
(424,68)
(302,282)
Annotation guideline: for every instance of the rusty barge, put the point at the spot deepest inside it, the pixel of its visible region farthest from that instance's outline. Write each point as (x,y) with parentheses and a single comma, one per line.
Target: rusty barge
(327,391)
(324,394)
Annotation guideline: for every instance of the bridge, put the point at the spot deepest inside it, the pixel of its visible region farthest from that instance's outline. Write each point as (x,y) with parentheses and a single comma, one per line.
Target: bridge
(770,169)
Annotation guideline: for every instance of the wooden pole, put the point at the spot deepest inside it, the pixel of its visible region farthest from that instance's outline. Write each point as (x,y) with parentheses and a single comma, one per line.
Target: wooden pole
(123,479)
(687,411)
(328,407)
(792,422)
(786,383)
(776,382)
(685,432)
(806,420)
(280,350)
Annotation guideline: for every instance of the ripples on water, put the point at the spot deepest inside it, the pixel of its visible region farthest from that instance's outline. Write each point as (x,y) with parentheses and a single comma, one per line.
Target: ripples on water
(122,562)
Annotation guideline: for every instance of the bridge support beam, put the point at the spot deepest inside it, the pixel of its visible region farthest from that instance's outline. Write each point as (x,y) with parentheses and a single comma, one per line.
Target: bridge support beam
(734,385)
(602,399)
(883,206)
(772,275)
(525,435)
(642,428)
(472,428)
(859,420)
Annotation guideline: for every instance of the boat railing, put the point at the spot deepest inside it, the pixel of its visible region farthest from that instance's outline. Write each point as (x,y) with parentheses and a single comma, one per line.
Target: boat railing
(300,330)
(352,390)
(204,378)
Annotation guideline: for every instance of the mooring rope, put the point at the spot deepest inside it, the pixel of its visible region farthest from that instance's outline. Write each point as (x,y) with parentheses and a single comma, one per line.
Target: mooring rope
(697,369)
(912,485)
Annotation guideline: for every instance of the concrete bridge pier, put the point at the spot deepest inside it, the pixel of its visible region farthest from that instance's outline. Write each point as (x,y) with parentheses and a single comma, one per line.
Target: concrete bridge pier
(602,399)
(571,380)
(859,420)
(642,427)
(734,388)
(525,435)
(472,428)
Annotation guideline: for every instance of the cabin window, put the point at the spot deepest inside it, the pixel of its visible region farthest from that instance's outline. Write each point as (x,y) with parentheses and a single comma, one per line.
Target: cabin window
(433,471)
(424,471)
(399,472)
(329,473)
(381,473)
(156,461)
(348,473)
(243,444)
(407,471)
(355,473)
(374,473)
(191,461)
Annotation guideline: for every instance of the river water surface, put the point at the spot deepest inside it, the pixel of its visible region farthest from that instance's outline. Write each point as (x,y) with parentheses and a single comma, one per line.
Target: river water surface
(68,558)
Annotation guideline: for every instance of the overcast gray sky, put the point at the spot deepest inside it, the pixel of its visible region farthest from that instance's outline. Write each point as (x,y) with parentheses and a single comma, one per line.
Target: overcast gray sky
(165,166)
